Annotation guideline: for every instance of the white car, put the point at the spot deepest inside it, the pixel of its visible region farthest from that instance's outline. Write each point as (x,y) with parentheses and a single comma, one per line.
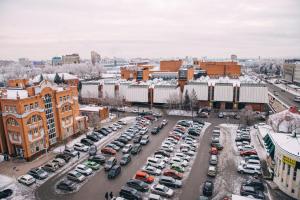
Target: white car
(156,163)
(162,190)
(245,147)
(168,143)
(26,179)
(61,162)
(80,147)
(183,156)
(151,170)
(83,169)
(179,161)
(75,176)
(249,169)
(251,162)
(71,152)
(127,148)
(168,148)
(161,157)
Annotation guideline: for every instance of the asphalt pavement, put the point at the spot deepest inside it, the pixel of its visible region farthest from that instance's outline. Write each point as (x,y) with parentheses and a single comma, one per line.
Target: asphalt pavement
(284,96)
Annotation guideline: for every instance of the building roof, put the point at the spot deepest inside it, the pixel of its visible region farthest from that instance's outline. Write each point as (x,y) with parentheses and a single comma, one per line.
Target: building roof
(286,142)
(12,94)
(50,77)
(90,108)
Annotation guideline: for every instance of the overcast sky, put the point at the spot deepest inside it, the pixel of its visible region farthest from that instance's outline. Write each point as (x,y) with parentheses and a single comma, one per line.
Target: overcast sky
(41,29)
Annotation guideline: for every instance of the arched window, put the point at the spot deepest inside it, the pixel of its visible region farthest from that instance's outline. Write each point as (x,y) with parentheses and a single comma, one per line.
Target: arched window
(34,118)
(12,122)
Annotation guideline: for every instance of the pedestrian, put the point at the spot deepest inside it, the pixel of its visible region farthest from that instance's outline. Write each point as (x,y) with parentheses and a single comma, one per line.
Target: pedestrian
(78,154)
(106,195)
(111,195)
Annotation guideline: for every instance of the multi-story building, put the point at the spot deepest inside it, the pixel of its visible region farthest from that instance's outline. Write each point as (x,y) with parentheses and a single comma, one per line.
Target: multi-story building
(217,69)
(57,61)
(291,71)
(71,59)
(37,117)
(134,72)
(170,65)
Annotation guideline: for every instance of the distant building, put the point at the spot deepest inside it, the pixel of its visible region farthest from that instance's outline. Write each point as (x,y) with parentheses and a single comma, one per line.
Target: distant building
(95,114)
(71,59)
(95,57)
(217,69)
(25,62)
(291,71)
(39,64)
(57,61)
(134,72)
(69,79)
(37,117)
(170,65)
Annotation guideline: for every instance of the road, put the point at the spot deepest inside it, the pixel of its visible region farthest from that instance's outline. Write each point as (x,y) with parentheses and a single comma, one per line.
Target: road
(285,97)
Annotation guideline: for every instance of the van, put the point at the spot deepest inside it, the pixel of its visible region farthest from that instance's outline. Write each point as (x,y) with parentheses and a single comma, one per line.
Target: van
(110,163)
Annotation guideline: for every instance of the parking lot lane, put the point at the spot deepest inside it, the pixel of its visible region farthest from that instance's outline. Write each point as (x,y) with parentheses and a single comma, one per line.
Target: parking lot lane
(98,185)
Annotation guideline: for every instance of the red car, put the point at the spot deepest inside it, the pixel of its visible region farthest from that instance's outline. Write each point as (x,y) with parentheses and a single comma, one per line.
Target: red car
(174,136)
(214,150)
(248,153)
(108,150)
(173,173)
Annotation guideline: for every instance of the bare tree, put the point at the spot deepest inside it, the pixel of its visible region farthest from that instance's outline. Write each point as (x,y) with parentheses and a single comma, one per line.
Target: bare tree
(247,115)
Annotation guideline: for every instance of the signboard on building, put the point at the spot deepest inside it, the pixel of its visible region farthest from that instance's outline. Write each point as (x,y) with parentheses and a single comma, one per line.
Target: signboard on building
(289,161)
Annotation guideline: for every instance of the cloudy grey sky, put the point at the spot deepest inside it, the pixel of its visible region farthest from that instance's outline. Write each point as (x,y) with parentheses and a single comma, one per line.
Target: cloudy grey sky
(40,29)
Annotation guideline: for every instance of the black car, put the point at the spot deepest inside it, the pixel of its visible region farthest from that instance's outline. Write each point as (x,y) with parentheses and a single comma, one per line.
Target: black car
(38,173)
(107,130)
(126,158)
(208,188)
(5,193)
(154,130)
(123,139)
(193,132)
(256,183)
(136,149)
(130,193)
(86,142)
(162,152)
(249,190)
(63,156)
(93,150)
(118,143)
(98,159)
(114,172)
(92,137)
(103,132)
(138,185)
(66,185)
(137,139)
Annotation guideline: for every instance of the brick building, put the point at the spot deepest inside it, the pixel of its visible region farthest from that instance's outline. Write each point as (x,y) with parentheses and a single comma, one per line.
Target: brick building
(217,69)
(38,117)
(170,65)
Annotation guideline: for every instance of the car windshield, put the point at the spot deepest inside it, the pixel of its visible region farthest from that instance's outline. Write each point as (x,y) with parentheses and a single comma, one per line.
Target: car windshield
(39,171)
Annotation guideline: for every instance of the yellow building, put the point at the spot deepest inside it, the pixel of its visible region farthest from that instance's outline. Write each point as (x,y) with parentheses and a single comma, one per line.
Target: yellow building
(38,117)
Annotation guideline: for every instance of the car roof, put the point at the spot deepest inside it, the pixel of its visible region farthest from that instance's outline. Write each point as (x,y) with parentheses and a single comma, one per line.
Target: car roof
(26,176)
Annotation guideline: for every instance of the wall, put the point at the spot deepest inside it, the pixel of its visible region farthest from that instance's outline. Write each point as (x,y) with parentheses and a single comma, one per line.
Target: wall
(200,89)
(223,92)
(221,68)
(108,90)
(163,94)
(137,94)
(89,90)
(170,65)
(250,93)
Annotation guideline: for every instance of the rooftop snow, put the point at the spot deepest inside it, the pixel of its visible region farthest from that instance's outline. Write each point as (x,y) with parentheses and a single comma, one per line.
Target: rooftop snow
(12,94)
(90,108)
(287,142)
(50,77)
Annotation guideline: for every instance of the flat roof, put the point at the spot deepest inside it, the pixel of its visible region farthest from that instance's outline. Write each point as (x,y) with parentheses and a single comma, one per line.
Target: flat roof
(287,142)
(91,108)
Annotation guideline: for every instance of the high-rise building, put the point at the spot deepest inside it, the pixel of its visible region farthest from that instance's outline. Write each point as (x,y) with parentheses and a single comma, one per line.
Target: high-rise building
(57,61)
(37,117)
(71,59)
(95,57)
(291,71)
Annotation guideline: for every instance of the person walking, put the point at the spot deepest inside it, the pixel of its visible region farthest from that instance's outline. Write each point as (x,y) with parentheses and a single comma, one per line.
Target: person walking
(106,195)
(111,195)
(78,155)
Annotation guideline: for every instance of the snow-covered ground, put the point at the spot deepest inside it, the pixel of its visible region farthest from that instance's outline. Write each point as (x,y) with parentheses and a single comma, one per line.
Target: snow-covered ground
(181,113)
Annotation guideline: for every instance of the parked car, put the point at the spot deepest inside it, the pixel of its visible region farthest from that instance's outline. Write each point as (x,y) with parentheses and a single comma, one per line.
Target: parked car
(178,168)
(144,140)
(213,160)
(110,163)
(137,139)
(26,179)
(126,158)
(97,158)
(162,190)
(170,182)
(113,146)
(83,169)
(91,164)
(155,130)
(93,150)
(127,148)
(248,153)
(61,162)
(251,191)
(155,163)
(163,153)
(114,172)
(66,185)
(130,193)
(173,173)
(214,151)
(138,185)
(71,152)
(50,166)
(212,171)
(38,173)
(5,193)
(151,170)
(80,147)
(217,145)
(143,176)
(136,149)
(208,188)
(108,150)
(63,156)
(203,115)
(254,182)
(221,115)
(86,142)
(75,176)
(249,169)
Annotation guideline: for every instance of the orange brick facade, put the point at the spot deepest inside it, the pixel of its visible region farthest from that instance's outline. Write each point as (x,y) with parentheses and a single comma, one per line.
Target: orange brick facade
(46,116)
(170,65)
(220,68)
(132,74)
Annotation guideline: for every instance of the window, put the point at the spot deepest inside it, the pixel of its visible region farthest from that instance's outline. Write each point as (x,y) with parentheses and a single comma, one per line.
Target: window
(31,106)
(289,170)
(12,122)
(283,168)
(36,104)
(60,99)
(295,174)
